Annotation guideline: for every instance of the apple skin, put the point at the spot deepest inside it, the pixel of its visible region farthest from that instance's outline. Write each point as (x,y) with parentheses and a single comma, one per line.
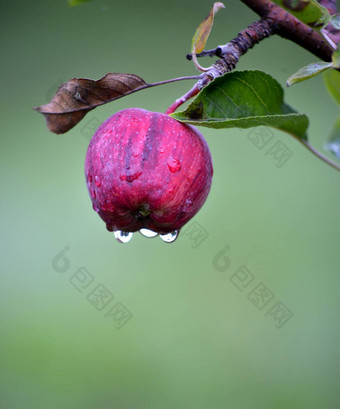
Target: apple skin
(146,170)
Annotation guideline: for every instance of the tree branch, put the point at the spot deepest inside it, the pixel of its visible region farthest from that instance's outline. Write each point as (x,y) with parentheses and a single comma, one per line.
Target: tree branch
(232,51)
(289,27)
(274,20)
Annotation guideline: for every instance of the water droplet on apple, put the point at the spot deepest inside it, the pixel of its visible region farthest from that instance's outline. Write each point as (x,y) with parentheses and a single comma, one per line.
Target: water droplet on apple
(97,181)
(123,236)
(174,165)
(148,233)
(130,178)
(169,237)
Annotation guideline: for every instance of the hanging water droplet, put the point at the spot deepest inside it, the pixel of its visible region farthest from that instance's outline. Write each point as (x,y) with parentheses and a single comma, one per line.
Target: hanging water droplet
(148,233)
(123,236)
(169,237)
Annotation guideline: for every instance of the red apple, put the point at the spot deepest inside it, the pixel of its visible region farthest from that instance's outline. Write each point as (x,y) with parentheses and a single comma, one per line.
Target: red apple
(146,170)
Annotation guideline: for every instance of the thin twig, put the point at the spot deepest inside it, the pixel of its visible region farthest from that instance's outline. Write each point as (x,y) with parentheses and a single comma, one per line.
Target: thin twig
(191,93)
(319,154)
(155,84)
(205,53)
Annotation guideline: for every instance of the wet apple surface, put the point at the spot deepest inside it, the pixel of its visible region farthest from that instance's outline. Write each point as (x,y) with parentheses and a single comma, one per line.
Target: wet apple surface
(145,170)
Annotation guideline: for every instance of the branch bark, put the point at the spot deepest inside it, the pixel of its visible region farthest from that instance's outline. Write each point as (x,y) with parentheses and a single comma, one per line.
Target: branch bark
(287,26)
(231,52)
(274,20)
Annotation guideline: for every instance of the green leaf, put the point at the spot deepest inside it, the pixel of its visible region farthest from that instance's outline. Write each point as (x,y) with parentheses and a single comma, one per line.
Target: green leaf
(333,145)
(335,21)
(244,99)
(309,71)
(332,81)
(309,12)
(77,2)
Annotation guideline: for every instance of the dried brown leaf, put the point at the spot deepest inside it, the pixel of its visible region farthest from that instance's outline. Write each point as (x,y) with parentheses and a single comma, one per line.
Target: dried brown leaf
(76,97)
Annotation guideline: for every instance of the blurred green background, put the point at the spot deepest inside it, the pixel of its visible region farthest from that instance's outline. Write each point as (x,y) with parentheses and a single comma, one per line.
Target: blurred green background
(198,319)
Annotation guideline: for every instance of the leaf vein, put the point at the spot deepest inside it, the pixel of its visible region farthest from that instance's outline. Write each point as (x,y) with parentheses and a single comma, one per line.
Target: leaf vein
(230,99)
(254,92)
(215,105)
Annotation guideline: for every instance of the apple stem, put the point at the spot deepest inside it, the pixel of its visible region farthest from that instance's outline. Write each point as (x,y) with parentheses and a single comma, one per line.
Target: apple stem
(191,93)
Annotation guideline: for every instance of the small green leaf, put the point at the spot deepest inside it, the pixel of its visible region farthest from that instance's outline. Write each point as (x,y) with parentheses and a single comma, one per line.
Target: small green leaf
(244,99)
(202,33)
(332,81)
(309,71)
(335,21)
(77,2)
(333,145)
(309,12)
